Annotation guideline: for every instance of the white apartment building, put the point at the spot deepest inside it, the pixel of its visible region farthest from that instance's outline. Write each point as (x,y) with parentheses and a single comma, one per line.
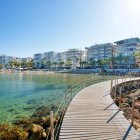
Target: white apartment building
(50,56)
(128,47)
(100,51)
(60,57)
(75,56)
(4,59)
(38,59)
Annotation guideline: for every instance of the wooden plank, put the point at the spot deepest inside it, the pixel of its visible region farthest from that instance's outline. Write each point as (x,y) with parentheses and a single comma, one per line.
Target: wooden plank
(88,117)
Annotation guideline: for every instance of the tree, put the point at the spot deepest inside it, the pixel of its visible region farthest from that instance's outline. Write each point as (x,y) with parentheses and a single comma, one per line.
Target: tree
(61,64)
(1,66)
(55,64)
(99,62)
(11,63)
(92,62)
(49,64)
(30,63)
(23,64)
(68,63)
(84,64)
(43,63)
(77,61)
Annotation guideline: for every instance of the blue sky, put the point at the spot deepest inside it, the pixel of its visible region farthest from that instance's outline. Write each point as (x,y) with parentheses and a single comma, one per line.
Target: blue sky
(34,26)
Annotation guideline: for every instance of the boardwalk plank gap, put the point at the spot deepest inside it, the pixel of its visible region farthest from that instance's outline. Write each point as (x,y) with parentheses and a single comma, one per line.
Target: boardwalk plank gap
(92,115)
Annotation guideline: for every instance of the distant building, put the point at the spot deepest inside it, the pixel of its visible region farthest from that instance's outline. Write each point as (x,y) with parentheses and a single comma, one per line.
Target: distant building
(128,48)
(100,51)
(38,60)
(75,56)
(4,59)
(50,56)
(60,57)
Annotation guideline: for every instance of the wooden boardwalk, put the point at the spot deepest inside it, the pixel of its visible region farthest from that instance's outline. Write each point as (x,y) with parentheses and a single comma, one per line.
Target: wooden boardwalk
(93,116)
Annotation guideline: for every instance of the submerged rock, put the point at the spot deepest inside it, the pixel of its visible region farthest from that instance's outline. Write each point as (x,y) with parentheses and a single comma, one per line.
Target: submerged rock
(32,101)
(41,111)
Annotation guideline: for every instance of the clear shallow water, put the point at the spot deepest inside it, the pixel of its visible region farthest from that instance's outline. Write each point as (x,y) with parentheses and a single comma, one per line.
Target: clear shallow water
(22,93)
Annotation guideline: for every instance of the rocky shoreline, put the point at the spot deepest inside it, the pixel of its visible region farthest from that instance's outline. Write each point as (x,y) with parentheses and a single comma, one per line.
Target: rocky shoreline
(35,127)
(126,106)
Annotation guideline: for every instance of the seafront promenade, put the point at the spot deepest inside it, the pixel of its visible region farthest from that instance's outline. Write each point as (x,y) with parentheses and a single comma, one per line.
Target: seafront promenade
(92,115)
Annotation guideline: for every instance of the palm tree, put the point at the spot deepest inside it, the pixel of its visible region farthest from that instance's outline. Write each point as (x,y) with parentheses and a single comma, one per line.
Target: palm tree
(61,64)
(137,58)
(30,64)
(49,64)
(104,61)
(43,63)
(68,63)
(120,59)
(55,64)
(77,61)
(92,62)
(11,63)
(99,62)
(1,66)
(84,64)
(23,64)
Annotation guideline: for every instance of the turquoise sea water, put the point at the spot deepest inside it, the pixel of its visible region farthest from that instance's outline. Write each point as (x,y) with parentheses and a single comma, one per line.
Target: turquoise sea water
(22,93)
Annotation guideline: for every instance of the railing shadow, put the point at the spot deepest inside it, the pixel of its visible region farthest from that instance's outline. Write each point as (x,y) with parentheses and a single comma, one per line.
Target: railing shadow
(109,106)
(106,94)
(127,132)
(113,116)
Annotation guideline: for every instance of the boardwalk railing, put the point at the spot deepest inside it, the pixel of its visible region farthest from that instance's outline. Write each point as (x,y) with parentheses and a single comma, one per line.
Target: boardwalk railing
(54,129)
(119,90)
(57,118)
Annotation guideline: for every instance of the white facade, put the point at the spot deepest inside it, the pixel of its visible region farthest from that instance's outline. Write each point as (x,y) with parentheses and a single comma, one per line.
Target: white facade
(128,47)
(100,51)
(50,56)
(75,56)
(60,57)
(5,59)
(38,59)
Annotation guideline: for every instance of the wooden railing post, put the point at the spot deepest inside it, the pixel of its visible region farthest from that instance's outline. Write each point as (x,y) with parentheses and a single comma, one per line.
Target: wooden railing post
(52,125)
(115,90)
(71,93)
(111,85)
(120,91)
(132,119)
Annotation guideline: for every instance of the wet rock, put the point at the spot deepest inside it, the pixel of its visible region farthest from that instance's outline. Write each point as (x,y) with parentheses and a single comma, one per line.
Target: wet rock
(29,107)
(31,101)
(11,110)
(36,128)
(41,111)
(43,134)
(136,125)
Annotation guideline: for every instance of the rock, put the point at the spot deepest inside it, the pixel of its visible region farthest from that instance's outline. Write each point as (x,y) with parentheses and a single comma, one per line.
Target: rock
(36,128)
(23,135)
(32,101)
(11,110)
(136,125)
(138,130)
(41,111)
(44,135)
(124,100)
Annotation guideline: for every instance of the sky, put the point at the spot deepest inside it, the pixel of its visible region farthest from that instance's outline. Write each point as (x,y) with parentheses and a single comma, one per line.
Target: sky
(36,26)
